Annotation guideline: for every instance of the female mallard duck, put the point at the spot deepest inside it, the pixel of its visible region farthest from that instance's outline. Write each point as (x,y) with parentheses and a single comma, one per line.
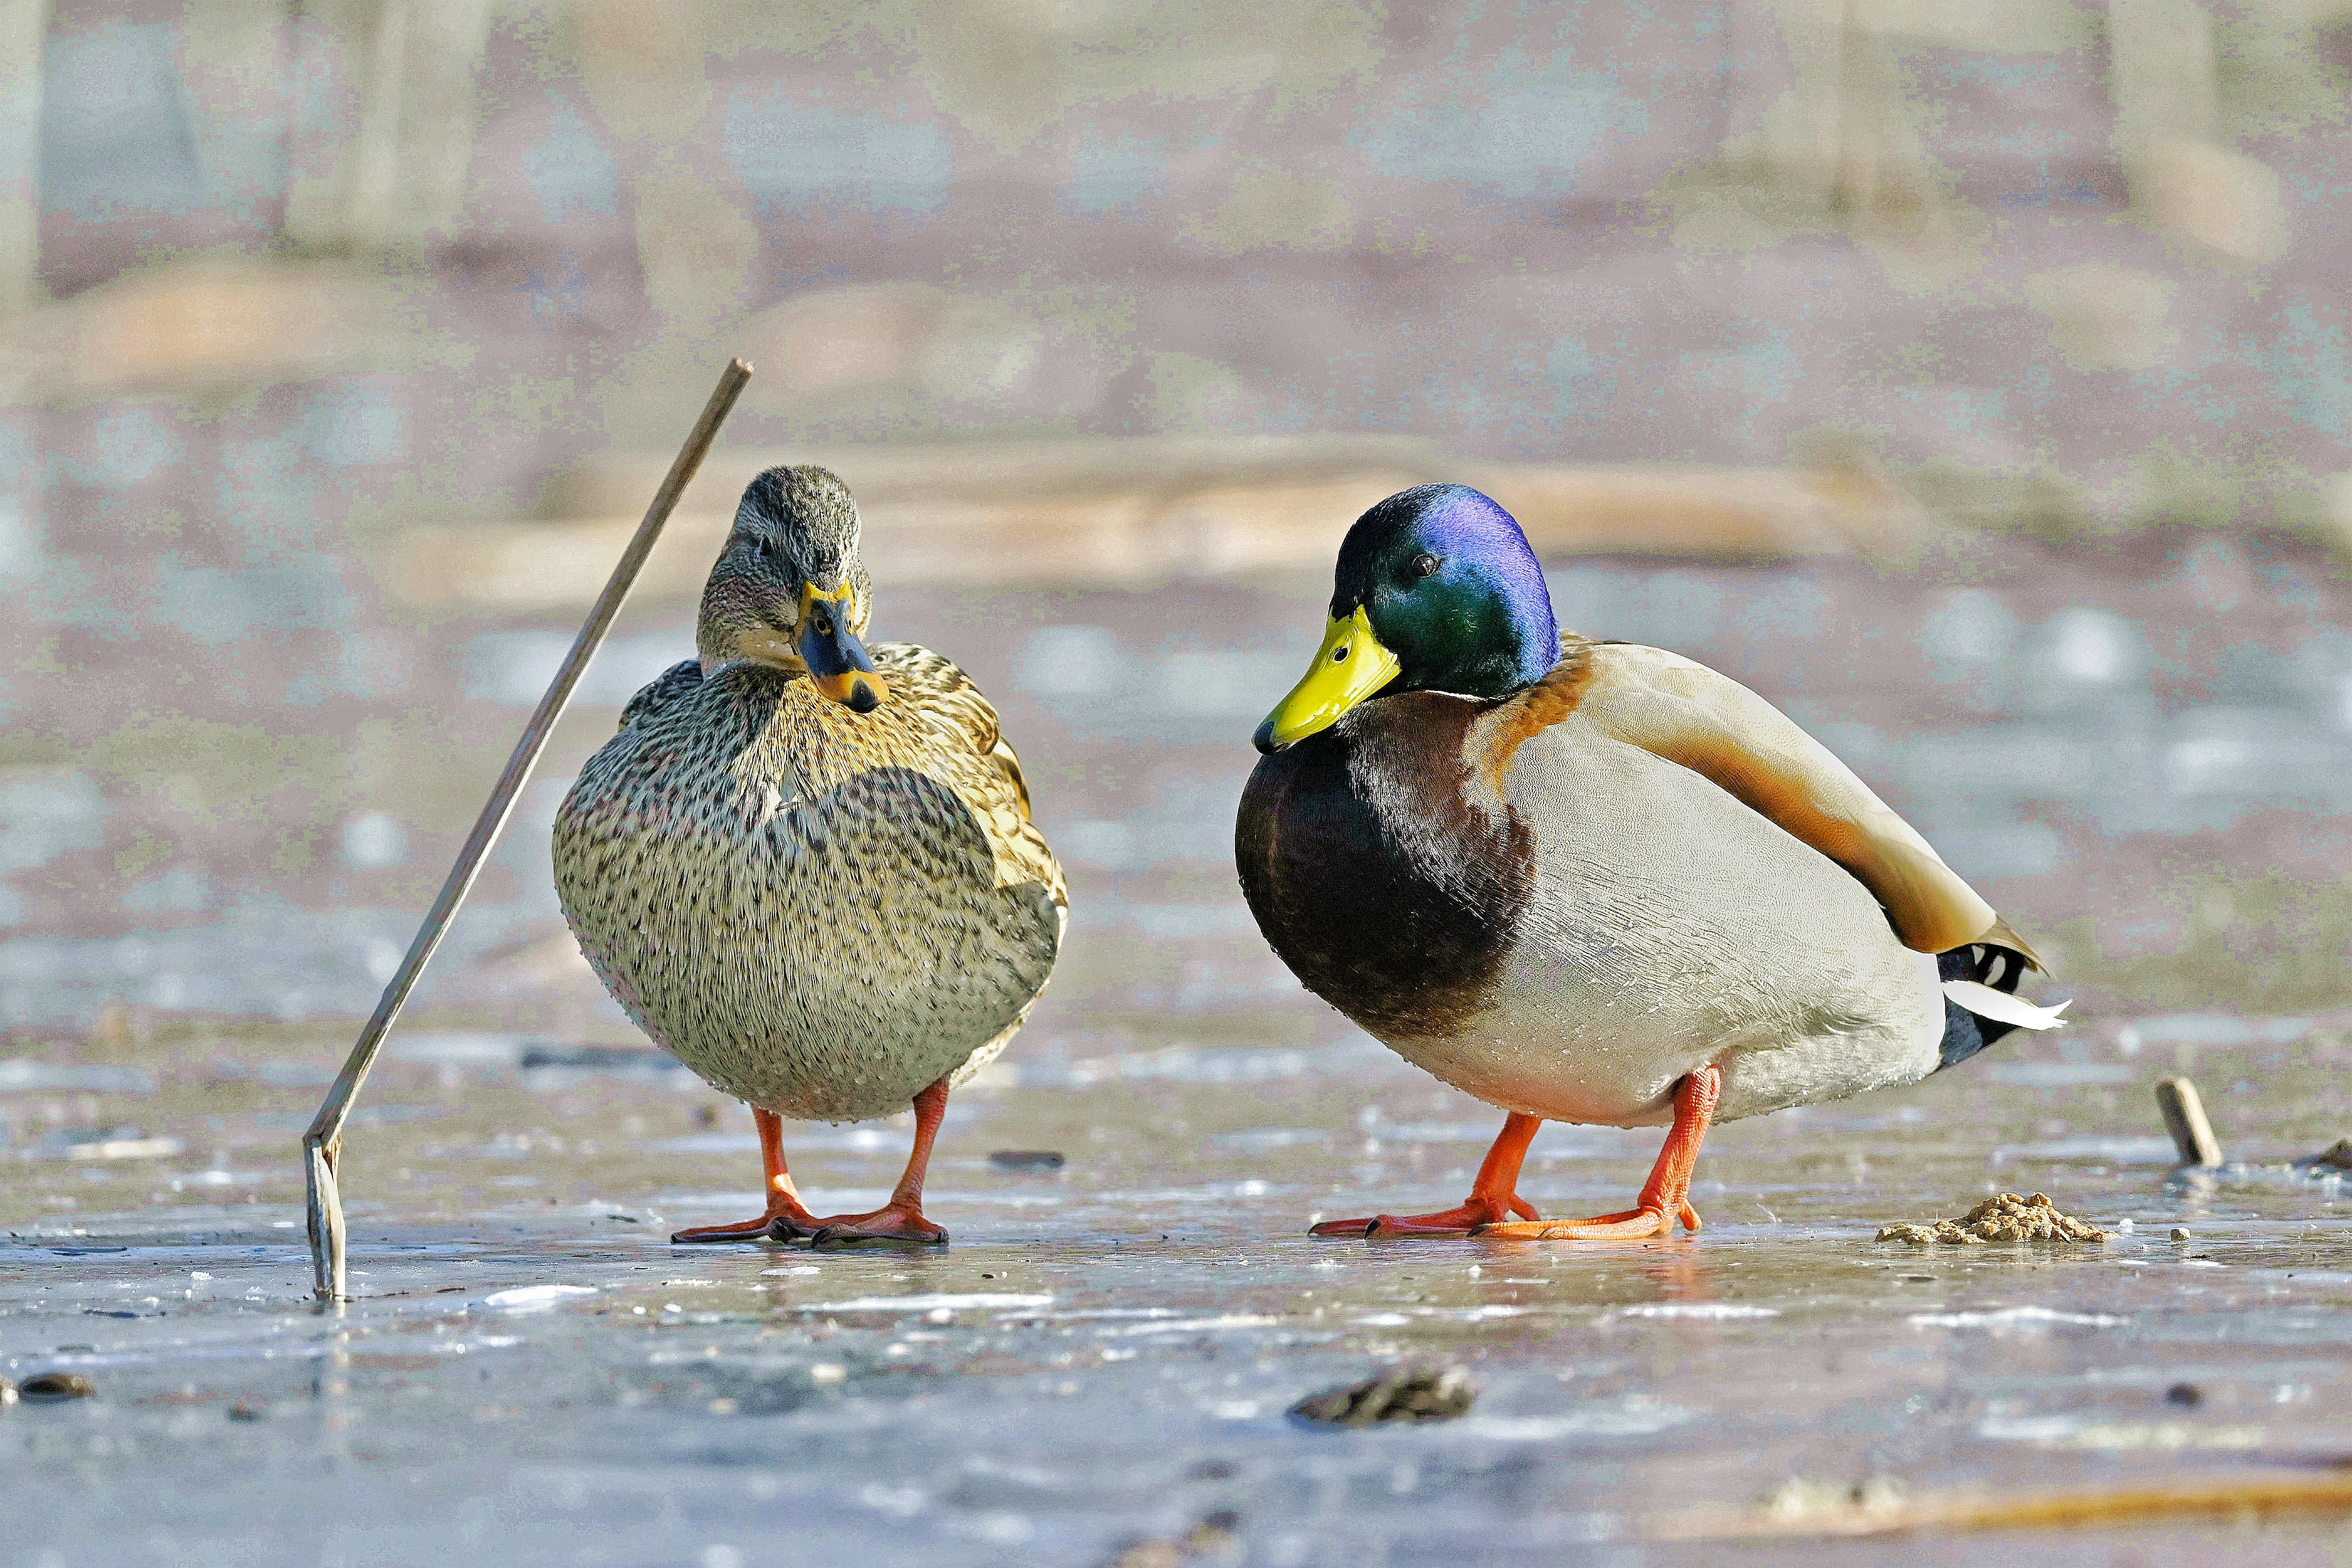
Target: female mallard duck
(1590,881)
(806,870)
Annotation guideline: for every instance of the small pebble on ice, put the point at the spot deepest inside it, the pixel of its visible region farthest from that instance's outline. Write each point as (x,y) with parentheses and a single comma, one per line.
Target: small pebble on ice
(2182,1233)
(55,1388)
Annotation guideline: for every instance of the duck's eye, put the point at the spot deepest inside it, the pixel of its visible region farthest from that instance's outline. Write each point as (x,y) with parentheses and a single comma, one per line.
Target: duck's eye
(1426,564)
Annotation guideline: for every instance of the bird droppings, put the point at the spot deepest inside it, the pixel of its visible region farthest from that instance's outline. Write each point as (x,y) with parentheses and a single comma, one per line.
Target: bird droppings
(1401,1393)
(2003,1217)
(56,1388)
(1027,1159)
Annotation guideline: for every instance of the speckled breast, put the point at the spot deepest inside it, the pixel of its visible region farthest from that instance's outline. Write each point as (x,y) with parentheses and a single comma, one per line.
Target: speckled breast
(780,895)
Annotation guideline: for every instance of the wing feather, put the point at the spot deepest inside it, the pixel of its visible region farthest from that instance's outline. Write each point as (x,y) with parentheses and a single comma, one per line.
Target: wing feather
(977,762)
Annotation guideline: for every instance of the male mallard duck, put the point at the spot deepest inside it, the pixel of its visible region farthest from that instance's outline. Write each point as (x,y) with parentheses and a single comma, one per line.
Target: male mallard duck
(806,870)
(1590,882)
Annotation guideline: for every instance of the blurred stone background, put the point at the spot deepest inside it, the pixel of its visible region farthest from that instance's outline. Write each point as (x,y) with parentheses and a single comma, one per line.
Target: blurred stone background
(1973,379)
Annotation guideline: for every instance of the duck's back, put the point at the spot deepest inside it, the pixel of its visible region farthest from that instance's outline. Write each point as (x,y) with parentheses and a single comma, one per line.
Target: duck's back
(819,911)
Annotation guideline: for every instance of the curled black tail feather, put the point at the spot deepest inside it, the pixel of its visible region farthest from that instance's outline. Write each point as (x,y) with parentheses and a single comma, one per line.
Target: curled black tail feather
(1965,1034)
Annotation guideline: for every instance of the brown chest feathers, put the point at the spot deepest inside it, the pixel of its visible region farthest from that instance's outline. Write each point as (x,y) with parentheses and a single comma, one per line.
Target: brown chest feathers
(1375,871)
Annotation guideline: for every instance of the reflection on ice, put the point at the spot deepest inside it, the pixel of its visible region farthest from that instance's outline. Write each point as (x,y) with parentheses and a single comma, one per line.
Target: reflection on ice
(1632,1417)
(977,1301)
(531,1298)
(2002,1318)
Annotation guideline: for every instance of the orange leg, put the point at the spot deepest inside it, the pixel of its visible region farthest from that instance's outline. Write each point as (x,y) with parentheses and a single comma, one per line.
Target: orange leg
(901,1219)
(1493,1197)
(785,1217)
(1665,1197)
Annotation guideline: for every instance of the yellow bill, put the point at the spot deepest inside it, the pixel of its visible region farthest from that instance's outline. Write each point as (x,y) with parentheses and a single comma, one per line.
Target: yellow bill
(1349,667)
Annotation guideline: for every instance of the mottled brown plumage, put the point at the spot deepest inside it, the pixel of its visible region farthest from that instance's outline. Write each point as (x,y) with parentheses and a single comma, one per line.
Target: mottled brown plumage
(820,910)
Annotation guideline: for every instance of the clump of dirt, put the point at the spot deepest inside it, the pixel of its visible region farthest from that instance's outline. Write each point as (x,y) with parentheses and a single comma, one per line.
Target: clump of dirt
(1404,1394)
(2007,1217)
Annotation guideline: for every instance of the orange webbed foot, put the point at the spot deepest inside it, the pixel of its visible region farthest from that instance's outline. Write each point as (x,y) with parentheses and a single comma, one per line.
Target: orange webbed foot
(778,1225)
(892,1222)
(1630,1225)
(1462,1221)
(1668,1192)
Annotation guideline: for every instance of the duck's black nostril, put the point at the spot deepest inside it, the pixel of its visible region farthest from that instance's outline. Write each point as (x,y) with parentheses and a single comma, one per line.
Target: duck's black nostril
(861,699)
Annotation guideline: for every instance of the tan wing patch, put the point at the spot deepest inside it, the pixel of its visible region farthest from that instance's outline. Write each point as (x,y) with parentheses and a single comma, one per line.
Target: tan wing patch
(1711,724)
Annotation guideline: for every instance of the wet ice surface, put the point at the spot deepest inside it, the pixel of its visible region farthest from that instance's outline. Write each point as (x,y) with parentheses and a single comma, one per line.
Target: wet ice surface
(1105,1351)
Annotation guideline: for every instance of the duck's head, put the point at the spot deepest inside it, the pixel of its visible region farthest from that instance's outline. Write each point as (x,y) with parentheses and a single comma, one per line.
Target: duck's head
(789,590)
(1436,591)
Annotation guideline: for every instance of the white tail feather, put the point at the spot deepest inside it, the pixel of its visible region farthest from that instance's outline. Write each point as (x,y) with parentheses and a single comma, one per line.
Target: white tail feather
(1987,1002)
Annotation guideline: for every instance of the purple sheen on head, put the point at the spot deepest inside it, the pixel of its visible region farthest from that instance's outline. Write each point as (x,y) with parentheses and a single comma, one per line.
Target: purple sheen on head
(1483,623)
(1471,525)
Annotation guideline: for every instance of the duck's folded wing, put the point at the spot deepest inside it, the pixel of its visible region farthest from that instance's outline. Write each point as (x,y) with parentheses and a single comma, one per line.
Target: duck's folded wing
(1711,724)
(975,758)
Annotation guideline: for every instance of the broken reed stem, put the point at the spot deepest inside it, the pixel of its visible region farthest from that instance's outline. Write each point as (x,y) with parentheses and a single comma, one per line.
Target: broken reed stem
(2233,1497)
(2184,1118)
(322,1143)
